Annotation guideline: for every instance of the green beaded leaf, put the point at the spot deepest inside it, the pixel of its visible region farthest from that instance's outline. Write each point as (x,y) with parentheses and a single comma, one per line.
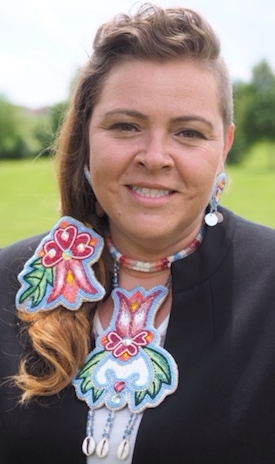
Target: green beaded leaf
(86,372)
(38,278)
(162,375)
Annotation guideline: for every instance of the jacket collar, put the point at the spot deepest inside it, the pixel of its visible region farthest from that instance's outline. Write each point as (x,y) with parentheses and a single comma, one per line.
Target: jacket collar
(207,259)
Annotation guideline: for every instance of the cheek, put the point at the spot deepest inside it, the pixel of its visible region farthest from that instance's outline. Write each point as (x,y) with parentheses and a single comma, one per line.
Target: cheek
(97,167)
(104,175)
(100,163)
(200,180)
(200,168)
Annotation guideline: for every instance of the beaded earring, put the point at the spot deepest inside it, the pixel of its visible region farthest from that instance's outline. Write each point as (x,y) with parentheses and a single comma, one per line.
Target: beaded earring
(213,217)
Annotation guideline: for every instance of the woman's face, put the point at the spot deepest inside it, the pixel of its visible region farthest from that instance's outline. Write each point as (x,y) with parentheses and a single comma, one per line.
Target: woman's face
(157,143)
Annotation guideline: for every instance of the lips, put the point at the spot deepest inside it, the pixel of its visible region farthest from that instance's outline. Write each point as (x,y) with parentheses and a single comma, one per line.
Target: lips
(151,192)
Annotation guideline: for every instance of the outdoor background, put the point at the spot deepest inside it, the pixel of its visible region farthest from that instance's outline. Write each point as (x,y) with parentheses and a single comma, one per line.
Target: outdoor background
(42,47)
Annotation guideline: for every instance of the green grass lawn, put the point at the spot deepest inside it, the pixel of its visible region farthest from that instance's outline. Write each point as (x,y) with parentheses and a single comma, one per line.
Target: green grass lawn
(251,187)
(28,198)
(29,194)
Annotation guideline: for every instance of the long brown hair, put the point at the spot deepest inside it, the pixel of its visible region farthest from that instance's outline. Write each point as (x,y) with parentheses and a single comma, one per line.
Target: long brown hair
(62,338)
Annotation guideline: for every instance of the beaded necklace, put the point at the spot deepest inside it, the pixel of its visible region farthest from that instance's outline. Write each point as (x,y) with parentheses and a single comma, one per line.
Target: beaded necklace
(155,266)
(128,367)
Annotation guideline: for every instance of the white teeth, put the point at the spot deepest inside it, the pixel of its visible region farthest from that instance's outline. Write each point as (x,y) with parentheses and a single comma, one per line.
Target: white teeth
(151,193)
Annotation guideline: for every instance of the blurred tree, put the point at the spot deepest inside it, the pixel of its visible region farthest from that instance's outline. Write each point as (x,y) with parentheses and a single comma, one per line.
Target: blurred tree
(254,111)
(259,113)
(242,98)
(12,143)
(47,130)
(28,133)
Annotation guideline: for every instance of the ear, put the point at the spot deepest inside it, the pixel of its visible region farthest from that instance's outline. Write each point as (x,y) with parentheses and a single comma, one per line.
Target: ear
(228,142)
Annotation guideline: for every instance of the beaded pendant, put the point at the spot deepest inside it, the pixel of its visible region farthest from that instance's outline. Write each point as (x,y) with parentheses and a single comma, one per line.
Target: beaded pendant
(60,272)
(128,367)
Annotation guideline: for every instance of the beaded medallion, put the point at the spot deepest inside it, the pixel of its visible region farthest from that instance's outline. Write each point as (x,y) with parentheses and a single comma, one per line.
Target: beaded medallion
(128,367)
(60,272)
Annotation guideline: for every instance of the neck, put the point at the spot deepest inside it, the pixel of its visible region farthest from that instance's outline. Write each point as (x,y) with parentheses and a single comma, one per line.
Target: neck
(129,278)
(149,248)
(153,266)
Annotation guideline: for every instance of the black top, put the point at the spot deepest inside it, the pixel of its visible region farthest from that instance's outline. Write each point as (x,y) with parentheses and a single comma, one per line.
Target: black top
(222,335)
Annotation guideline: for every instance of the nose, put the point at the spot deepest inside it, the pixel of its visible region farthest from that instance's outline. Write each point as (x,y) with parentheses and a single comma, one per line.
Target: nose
(155,154)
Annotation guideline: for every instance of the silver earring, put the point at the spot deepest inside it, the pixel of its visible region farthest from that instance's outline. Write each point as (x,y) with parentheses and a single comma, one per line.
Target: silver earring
(213,217)
(88,175)
(98,208)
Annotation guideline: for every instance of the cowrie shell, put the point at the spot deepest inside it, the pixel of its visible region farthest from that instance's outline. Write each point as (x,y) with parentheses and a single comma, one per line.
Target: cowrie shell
(123,450)
(103,447)
(88,446)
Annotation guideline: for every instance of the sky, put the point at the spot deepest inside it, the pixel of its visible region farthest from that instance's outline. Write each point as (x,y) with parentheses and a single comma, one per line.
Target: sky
(43,43)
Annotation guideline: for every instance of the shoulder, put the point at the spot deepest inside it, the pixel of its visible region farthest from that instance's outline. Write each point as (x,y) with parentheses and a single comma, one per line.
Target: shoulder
(248,233)
(13,257)
(12,260)
(252,248)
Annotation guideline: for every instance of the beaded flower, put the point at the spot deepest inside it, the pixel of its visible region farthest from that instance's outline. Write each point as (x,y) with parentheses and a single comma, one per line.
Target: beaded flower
(60,273)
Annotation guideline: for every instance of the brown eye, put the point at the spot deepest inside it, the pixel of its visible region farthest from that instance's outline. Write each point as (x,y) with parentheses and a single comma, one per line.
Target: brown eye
(125,127)
(190,133)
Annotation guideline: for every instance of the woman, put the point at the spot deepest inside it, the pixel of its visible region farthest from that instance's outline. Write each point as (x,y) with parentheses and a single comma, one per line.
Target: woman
(144,329)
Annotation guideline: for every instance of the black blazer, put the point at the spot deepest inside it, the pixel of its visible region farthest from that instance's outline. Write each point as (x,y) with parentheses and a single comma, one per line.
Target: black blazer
(222,335)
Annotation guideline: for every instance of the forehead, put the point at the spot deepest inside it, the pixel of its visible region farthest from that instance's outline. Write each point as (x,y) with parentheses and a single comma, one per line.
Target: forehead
(176,85)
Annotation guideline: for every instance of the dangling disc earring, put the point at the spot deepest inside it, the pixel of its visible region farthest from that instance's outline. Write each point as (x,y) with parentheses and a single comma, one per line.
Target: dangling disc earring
(213,217)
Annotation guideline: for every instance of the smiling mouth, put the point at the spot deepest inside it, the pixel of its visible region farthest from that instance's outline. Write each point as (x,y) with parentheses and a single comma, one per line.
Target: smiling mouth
(151,192)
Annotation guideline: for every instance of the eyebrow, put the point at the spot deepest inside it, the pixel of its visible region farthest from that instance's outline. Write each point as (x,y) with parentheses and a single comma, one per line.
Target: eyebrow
(127,112)
(177,119)
(191,117)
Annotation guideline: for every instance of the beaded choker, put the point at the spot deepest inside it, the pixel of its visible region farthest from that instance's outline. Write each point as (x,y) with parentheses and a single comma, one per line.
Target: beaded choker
(155,266)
